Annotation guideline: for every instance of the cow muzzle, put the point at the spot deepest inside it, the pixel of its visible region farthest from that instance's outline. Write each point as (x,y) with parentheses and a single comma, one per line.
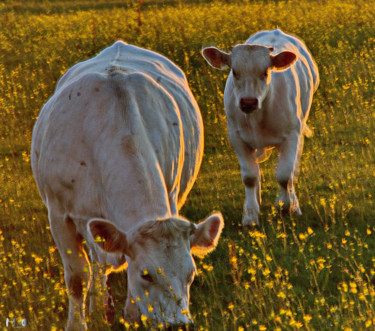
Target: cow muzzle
(248,105)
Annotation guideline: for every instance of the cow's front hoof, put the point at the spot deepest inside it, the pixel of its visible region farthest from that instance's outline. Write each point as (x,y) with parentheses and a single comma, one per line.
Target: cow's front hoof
(74,326)
(250,223)
(297,211)
(252,228)
(183,327)
(289,208)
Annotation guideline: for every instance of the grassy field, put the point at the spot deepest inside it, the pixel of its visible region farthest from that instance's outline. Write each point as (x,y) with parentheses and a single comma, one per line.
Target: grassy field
(313,272)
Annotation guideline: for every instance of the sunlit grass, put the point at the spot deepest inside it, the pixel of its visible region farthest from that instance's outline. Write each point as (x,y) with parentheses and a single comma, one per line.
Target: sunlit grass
(313,272)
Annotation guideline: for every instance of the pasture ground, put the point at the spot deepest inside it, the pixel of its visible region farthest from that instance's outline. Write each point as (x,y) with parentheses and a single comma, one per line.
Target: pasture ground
(313,272)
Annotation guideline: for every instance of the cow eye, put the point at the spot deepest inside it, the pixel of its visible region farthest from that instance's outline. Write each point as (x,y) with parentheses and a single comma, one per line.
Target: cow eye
(146,276)
(235,74)
(264,75)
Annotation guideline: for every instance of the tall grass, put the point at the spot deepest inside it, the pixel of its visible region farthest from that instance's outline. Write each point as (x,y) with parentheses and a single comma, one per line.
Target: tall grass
(312,272)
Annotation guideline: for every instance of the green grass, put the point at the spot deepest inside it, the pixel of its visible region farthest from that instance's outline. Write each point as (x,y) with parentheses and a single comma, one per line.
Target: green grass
(312,272)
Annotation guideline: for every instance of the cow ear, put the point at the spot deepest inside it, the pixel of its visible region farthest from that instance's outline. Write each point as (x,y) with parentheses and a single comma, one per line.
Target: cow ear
(216,58)
(207,234)
(282,60)
(108,237)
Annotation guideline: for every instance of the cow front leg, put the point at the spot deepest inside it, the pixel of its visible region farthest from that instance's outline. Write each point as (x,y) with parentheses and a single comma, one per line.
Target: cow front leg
(250,174)
(100,296)
(290,152)
(251,181)
(77,267)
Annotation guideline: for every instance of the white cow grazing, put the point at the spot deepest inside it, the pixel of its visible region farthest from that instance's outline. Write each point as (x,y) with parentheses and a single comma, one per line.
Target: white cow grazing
(267,99)
(115,151)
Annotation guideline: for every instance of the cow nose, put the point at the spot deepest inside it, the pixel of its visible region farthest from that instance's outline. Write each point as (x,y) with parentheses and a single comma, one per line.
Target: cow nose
(247,105)
(183,327)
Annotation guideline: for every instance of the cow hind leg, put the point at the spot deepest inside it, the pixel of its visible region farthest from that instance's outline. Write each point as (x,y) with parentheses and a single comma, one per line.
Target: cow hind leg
(77,269)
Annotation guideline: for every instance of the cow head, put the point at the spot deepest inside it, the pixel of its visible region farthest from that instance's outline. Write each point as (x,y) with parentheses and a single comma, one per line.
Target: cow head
(160,263)
(251,71)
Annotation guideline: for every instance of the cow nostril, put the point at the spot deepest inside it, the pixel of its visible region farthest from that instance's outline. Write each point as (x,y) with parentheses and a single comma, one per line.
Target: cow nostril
(248,104)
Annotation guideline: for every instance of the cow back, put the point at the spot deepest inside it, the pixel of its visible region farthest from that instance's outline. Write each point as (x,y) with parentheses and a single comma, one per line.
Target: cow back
(122,130)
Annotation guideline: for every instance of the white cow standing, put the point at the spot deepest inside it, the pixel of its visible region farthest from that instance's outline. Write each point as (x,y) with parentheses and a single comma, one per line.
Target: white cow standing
(267,100)
(115,151)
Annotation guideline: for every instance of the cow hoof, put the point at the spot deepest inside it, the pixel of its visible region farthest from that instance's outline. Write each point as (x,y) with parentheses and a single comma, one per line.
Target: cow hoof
(288,209)
(81,326)
(251,228)
(297,211)
(250,223)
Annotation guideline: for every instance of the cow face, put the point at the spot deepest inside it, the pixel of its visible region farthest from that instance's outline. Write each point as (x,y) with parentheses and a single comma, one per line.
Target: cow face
(160,263)
(251,71)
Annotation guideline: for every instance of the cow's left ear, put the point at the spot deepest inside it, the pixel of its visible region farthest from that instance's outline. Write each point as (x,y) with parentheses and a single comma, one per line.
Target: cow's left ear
(282,60)
(207,234)
(108,237)
(216,58)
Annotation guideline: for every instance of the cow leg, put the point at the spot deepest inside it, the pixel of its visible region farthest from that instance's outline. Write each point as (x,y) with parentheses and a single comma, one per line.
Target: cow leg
(290,152)
(251,178)
(77,268)
(100,296)
(250,174)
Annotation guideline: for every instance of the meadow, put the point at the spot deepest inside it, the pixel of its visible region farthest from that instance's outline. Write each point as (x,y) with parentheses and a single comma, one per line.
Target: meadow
(311,272)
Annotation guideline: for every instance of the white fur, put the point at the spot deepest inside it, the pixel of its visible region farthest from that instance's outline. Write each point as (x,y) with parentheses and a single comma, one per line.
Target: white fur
(284,100)
(120,139)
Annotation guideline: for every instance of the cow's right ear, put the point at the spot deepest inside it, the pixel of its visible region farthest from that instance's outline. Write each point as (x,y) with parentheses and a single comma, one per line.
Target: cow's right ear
(283,60)
(108,237)
(216,58)
(206,234)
